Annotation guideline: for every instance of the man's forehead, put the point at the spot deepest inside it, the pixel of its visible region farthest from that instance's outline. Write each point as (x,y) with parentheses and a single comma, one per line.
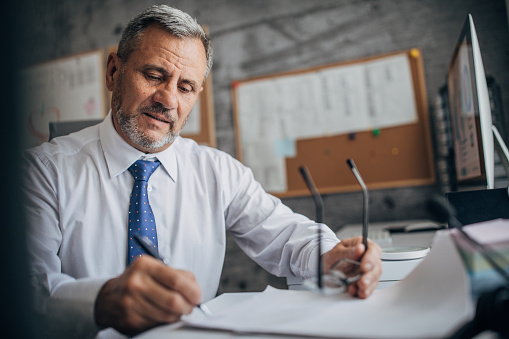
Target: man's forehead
(181,52)
(184,51)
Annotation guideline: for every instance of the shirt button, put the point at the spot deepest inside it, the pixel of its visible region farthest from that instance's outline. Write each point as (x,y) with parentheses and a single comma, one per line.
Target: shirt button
(149,188)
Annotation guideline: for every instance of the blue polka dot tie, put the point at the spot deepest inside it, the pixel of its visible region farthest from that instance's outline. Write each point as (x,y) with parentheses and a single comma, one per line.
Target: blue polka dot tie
(141,219)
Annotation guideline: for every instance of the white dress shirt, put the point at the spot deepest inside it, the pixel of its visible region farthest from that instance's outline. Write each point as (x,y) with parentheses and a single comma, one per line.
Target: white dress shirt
(78,190)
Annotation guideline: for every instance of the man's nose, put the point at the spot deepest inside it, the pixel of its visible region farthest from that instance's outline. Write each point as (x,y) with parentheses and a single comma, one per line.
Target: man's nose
(167,96)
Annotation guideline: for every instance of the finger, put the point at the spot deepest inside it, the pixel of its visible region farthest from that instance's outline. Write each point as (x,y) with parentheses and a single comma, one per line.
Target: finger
(158,303)
(365,286)
(371,257)
(372,268)
(357,252)
(368,282)
(182,282)
(172,289)
(148,315)
(354,249)
(352,289)
(122,304)
(351,242)
(365,291)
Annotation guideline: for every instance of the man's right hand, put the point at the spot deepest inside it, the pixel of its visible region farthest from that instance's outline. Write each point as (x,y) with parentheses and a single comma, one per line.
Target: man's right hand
(147,294)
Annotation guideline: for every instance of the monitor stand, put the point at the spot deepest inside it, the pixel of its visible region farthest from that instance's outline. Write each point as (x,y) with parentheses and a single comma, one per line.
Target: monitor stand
(501,149)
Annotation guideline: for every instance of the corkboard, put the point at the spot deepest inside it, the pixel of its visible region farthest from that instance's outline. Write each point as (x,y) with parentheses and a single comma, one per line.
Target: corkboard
(394,157)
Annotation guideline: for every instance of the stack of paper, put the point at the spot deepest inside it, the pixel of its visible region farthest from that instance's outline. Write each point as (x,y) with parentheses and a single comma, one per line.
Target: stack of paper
(431,302)
(494,236)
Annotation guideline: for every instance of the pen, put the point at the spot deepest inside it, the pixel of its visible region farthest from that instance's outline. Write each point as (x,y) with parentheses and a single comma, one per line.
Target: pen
(149,247)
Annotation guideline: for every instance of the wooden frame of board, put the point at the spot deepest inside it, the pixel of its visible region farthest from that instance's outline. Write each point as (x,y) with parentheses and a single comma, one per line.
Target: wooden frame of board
(396,157)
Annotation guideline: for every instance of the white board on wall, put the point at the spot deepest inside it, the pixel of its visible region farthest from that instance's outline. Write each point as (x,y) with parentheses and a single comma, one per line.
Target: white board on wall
(71,88)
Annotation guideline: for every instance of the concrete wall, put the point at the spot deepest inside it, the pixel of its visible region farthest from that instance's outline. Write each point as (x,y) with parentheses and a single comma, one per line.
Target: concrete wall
(260,37)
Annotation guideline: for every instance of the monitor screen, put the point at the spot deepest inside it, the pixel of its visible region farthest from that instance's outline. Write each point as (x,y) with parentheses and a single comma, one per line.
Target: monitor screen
(470,111)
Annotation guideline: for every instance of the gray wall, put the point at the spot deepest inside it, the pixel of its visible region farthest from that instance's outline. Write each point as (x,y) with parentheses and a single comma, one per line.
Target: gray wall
(260,37)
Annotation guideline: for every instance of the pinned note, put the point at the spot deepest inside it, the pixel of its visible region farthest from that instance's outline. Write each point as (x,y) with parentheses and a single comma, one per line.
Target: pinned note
(285,148)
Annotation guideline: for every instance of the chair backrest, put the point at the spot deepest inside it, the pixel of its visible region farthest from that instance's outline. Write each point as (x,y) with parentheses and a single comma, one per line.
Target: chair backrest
(57,129)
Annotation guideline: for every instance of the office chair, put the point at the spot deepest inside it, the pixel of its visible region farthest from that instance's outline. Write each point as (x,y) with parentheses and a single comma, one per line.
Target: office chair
(57,129)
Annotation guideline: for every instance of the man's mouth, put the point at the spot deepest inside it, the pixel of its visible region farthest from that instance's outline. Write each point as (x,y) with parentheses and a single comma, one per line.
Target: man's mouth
(157,117)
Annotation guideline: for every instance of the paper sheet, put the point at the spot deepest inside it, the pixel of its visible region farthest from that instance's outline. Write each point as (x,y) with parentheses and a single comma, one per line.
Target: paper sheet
(67,89)
(339,100)
(431,302)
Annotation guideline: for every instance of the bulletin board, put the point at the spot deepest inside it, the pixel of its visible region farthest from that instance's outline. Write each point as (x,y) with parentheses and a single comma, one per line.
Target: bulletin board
(200,125)
(69,88)
(391,147)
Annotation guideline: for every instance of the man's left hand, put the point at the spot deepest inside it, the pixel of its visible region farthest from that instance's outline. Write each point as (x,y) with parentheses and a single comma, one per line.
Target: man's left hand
(371,265)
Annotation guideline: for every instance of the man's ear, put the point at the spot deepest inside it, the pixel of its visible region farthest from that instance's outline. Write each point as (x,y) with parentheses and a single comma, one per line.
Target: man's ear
(112,70)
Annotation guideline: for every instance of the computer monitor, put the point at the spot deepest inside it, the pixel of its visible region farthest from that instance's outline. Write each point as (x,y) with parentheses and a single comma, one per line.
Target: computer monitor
(469,106)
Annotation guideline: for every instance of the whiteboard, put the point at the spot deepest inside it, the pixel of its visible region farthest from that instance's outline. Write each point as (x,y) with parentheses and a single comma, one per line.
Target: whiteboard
(70,88)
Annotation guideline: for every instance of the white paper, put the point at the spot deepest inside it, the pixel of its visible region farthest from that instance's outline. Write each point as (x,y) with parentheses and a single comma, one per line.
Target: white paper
(66,89)
(489,232)
(300,105)
(333,101)
(345,100)
(268,168)
(431,302)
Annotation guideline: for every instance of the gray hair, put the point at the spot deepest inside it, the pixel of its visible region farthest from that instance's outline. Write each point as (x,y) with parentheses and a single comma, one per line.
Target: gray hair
(173,21)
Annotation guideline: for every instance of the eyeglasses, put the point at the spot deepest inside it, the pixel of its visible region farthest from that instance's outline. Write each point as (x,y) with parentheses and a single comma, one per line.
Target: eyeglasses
(340,275)
(345,271)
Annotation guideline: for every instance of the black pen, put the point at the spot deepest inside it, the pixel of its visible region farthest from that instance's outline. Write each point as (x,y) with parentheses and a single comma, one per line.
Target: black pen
(149,247)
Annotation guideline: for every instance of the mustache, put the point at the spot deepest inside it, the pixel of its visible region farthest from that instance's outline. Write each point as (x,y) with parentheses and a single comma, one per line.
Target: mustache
(158,108)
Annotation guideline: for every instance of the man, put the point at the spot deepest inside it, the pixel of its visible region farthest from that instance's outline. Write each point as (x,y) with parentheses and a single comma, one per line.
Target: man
(78,189)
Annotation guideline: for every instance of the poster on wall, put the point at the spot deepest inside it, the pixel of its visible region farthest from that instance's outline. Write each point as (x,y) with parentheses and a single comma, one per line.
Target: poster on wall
(66,89)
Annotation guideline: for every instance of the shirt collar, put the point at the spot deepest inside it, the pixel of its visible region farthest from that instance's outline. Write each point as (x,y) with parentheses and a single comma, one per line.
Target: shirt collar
(120,155)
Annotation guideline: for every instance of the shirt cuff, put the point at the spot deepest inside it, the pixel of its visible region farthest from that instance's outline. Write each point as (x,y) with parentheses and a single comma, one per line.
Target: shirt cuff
(70,310)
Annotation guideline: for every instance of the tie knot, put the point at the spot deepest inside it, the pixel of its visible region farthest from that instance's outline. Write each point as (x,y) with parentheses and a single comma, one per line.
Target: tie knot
(142,169)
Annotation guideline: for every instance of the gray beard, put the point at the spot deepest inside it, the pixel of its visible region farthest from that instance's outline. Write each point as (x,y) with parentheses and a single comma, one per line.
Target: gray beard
(128,125)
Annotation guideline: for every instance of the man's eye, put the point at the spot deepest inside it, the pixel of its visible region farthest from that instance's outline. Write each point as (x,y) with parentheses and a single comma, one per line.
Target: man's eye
(186,89)
(153,77)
